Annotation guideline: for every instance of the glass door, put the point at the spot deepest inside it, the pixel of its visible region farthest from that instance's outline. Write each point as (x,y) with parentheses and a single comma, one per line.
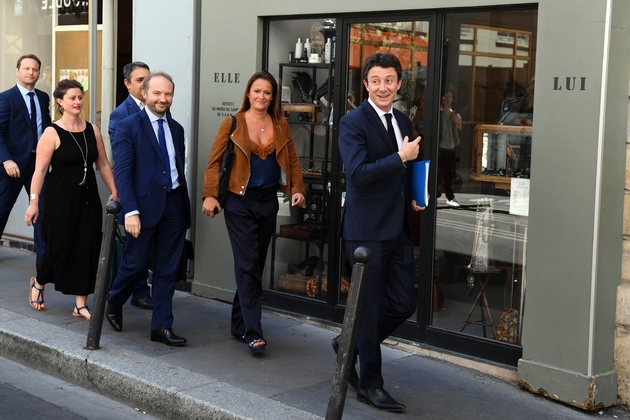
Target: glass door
(409,40)
(483,161)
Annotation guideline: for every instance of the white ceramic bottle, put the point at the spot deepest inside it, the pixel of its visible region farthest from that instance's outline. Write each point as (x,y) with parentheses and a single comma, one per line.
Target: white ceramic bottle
(327,51)
(307,46)
(299,49)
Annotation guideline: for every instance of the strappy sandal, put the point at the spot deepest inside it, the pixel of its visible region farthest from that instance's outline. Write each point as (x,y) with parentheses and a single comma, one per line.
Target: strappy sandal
(40,296)
(78,311)
(255,346)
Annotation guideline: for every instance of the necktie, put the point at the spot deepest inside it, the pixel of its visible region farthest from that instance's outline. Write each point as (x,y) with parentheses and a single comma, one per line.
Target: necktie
(167,162)
(390,130)
(33,119)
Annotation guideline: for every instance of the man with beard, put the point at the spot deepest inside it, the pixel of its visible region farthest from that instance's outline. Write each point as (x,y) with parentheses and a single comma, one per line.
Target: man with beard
(149,174)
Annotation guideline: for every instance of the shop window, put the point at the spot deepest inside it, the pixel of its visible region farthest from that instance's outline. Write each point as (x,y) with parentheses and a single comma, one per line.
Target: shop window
(301,54)
(484,166)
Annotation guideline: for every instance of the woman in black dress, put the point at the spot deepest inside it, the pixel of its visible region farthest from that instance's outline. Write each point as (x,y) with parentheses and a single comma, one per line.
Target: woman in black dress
(72,212)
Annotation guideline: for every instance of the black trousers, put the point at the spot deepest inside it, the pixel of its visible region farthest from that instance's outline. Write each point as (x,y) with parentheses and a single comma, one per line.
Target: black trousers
(251,221)
(389,299)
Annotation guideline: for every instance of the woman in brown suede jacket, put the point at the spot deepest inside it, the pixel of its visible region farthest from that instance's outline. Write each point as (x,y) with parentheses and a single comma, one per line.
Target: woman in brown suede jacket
(264,161)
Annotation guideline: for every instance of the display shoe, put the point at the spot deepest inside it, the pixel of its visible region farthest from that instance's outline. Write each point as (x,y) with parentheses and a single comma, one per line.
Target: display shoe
(311,265)
(292,268)
(452,203)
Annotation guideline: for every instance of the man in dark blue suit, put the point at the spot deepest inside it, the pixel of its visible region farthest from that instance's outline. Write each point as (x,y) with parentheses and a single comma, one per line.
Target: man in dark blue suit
(24,115)
(377,154)
(149,174)
(134,75)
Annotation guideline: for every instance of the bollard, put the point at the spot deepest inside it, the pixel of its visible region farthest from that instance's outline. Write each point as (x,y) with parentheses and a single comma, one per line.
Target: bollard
(102,276)
(348,335)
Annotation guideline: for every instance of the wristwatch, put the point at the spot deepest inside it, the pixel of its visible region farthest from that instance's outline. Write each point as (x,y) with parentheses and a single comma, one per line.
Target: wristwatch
(33,196)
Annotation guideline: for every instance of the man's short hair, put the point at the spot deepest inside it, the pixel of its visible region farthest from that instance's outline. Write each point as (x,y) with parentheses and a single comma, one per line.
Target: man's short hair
(130,67)
(145,84)
(385,60)
(31,56)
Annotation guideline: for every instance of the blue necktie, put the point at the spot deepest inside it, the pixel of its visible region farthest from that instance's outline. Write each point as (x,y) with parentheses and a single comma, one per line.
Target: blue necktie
(167,162)
(33,119)
(390,130)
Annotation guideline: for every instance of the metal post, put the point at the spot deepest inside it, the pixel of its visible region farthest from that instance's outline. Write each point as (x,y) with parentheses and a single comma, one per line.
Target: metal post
(102,276)
(348,335)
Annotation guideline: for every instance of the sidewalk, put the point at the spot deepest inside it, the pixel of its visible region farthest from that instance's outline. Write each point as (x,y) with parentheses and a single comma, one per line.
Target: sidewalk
(216,377)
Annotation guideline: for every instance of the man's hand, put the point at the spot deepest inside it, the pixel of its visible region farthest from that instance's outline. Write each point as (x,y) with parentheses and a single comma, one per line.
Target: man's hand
(132,225)
(410,149)
(12,169)
(416,207)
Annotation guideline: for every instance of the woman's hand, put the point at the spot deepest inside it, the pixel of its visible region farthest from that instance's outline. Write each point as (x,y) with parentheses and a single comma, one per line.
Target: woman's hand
(113,196)
(298,200)
(31,213)
(211,206)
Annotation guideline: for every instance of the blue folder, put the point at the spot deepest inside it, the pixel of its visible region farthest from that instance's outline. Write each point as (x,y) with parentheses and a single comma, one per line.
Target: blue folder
(420,182)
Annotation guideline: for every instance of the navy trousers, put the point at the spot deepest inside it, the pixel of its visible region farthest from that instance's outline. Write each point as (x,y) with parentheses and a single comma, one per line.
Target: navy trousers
(250,222)
(164,243)
(9,191)
(389,299)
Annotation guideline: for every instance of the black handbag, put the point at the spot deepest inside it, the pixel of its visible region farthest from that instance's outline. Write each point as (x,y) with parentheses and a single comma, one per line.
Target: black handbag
(226,166)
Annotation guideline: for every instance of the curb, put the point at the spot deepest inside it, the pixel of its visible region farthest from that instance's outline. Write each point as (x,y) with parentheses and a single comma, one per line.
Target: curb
(140,381)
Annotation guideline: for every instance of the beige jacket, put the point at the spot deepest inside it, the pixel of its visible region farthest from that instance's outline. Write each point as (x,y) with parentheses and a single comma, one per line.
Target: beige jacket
(290,181)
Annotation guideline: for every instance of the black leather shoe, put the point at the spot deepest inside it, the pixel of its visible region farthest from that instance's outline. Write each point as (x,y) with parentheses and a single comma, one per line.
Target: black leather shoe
(379,398)
(353,380)
(114,316)
(144,302)
(168,337)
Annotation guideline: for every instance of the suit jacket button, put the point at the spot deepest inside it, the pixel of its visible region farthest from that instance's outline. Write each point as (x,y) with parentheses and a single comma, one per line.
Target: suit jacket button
(163,172)
(402,193)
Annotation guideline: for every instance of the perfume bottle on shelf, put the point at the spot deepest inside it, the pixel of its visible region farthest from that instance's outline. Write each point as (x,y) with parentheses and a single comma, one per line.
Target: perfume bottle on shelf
(307,47)
(299,49)
(327,51)
(332,51)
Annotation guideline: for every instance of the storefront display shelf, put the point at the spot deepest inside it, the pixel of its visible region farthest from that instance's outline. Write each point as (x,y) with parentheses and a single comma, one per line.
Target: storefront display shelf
(312,223)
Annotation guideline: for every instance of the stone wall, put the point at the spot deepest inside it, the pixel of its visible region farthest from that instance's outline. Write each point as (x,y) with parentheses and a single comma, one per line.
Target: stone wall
(622,342)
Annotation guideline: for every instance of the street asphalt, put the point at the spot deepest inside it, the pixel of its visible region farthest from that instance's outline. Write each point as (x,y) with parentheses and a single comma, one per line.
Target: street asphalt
(216,377)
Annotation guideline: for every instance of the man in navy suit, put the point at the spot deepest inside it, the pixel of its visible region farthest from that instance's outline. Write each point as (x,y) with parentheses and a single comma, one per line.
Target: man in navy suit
(134,75)
(20,129)
(149,174)
(377,154)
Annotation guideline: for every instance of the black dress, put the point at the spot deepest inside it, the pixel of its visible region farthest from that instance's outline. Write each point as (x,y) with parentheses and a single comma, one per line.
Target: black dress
(72,216)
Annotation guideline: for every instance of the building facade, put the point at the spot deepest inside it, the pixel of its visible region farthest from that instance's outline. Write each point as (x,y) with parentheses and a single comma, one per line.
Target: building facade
(529,270)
